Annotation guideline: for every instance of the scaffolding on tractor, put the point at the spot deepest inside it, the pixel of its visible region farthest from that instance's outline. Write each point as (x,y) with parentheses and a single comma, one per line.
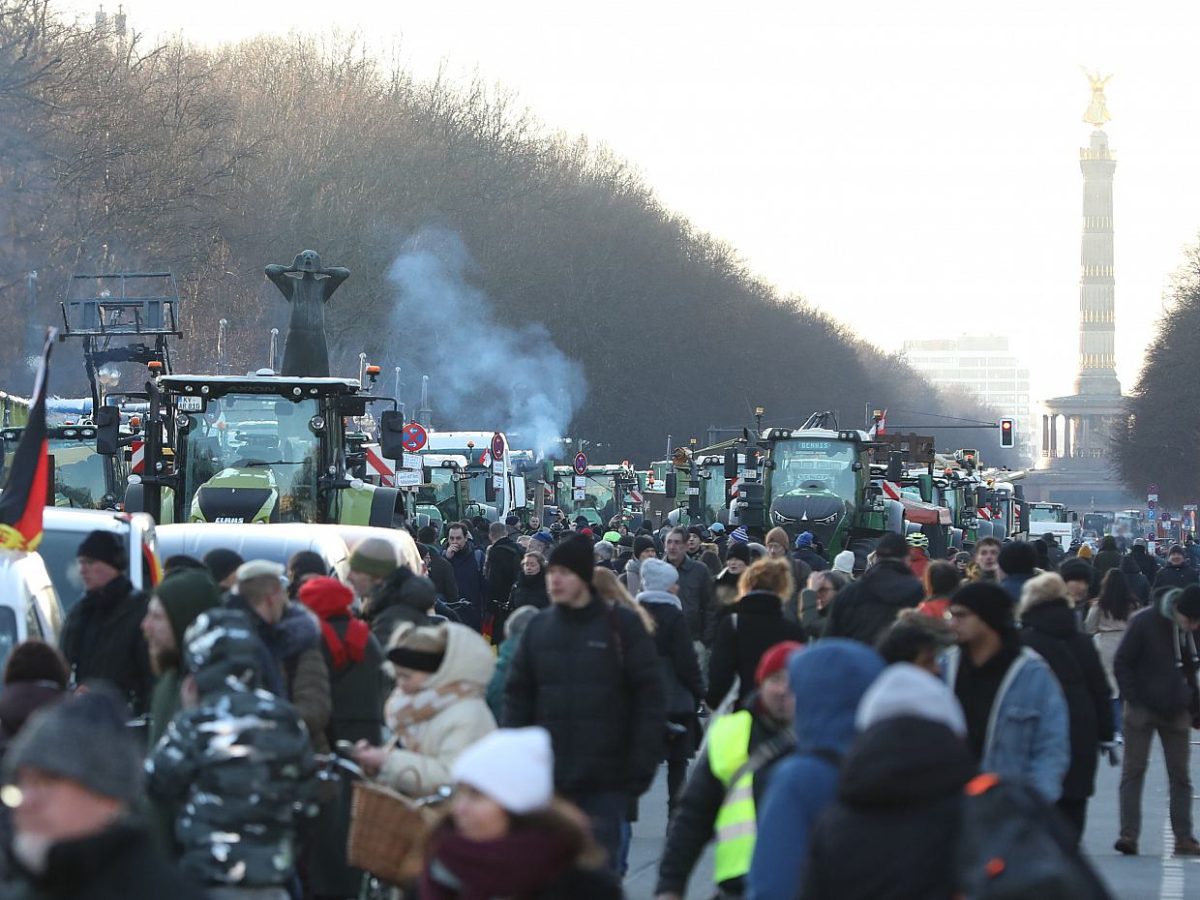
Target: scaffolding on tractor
(122,317)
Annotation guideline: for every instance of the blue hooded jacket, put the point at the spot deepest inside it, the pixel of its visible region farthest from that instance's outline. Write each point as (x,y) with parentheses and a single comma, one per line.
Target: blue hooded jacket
(828,680)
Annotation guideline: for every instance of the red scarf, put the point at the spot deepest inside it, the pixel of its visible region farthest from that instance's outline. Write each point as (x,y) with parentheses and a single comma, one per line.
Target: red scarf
(329,599)
(520,865)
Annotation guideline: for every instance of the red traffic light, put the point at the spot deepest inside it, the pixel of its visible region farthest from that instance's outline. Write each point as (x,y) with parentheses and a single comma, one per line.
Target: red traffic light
(1007,434)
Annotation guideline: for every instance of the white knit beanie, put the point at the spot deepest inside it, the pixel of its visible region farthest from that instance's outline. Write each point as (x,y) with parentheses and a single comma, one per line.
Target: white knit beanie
(658,575)
(907,690)
(513,766)
(844,562)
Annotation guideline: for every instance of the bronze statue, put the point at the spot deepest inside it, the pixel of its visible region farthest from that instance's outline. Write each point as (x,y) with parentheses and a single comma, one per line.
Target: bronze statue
(1097,112)
(307,286)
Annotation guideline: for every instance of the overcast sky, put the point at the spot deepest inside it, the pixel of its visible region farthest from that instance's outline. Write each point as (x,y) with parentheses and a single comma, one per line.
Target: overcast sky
(911,168)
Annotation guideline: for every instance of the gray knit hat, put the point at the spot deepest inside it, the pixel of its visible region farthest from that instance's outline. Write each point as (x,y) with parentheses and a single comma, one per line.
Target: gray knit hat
(85,740)
(374,556)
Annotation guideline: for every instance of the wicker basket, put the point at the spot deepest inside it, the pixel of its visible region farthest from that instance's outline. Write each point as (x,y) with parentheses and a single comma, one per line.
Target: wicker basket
(387,833)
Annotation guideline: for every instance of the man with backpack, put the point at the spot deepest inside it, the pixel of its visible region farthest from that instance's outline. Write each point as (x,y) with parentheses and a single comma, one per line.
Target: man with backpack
(588,672)
(1155,668)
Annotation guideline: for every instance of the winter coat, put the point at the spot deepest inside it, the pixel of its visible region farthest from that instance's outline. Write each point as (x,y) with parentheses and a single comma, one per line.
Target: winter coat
(102,639)
(699,602)
(1049,627)
(357,691)
(1028,725)
(1105,560)
(530,590)
(756,624)
(294,644)
(468,575)
(441,573)
(674,646)
(632,577)
(503,567)
(1153,664)
(420,770)
(1175,576)
(891,832)
(1135,580)
(531,863)
(1014,584)
(811,558)
(592,678)
(691,826)
(725,586)
(118,863)
(1146,563)
(864,608)
(495,688)
(198,768)
(828,688)
(1106,635)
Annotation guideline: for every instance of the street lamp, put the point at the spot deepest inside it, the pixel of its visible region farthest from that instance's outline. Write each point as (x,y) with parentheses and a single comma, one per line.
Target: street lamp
(758,414)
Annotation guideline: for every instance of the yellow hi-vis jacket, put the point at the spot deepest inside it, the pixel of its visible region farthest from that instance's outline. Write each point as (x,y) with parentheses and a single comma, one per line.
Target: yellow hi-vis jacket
(728,743)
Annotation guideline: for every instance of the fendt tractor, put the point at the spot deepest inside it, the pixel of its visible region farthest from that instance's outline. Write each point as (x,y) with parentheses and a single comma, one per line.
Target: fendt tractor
(814,478)
(264,447)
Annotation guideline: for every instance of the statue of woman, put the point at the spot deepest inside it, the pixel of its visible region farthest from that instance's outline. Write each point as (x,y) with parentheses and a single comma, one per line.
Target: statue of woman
(307,286)
(1097,111)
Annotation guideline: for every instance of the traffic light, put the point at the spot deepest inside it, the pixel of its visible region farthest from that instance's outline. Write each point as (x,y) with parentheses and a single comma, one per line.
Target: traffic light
(1008,438)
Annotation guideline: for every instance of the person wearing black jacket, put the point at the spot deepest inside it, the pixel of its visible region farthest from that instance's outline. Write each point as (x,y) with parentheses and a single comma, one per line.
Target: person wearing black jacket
(102,637)
(501,569)
(1049,626)
(1145,561)
(1156,667)
(755,623)
(1138,583)
(589,674)
(681,670)
(530,589)
(865,608)
(440,572)
(1177,572)
(771,710)
(891,833)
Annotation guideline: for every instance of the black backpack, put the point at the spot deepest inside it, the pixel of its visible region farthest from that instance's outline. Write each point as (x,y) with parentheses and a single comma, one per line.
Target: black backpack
(1013,846)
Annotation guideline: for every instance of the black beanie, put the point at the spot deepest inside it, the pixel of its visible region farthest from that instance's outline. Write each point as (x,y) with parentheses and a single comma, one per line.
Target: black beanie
(1076,570)
(891,546)
(1188,602)
(105,547)
(642,543)
(738,551)
(222,563)
(576,553)
(1017,558)
(989,601)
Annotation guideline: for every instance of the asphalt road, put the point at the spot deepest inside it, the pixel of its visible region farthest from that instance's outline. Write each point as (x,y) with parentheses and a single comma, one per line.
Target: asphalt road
(1152,875)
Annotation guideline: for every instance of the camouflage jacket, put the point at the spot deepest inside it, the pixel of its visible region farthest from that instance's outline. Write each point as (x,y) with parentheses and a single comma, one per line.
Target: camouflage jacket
(241,768)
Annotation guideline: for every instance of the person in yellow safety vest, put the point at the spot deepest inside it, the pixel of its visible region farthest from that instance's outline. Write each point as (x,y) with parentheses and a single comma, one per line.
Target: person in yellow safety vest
(719,799)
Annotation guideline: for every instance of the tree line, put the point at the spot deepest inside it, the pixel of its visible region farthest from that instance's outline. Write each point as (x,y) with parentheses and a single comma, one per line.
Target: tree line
(120,156)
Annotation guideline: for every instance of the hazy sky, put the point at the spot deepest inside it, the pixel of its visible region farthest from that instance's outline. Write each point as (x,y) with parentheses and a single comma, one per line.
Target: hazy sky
(910,168)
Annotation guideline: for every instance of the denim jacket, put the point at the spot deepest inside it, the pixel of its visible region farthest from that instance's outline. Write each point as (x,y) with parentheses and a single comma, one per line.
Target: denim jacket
(1027,733)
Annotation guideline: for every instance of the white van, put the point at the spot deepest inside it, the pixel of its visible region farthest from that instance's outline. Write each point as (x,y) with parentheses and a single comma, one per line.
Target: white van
(29,607)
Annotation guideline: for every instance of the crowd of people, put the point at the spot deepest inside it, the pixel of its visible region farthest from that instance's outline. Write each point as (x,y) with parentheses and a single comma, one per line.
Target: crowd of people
(845,729)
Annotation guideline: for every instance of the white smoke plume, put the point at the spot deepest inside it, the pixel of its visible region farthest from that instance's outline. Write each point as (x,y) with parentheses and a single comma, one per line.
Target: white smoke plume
(484,374)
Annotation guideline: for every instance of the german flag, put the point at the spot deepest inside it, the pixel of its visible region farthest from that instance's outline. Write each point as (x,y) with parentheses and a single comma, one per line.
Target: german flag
(26,487)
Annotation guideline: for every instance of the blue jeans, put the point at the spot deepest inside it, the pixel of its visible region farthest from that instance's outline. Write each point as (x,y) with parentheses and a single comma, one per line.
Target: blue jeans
(1116,702)
(607,811)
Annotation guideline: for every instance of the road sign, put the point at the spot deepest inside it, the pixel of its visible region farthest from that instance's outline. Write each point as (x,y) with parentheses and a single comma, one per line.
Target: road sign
(1189,507)
(413,437)
(1150,515)
(412,461)
(497,446)
(581,463)
(408,478)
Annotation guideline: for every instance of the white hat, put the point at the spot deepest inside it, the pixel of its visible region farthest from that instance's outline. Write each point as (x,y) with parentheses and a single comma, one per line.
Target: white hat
(513,766)
(844,562)
(259,568)
(907,690)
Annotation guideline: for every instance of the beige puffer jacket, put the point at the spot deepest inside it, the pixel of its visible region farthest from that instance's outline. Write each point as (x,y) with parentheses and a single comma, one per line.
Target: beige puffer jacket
(442,738)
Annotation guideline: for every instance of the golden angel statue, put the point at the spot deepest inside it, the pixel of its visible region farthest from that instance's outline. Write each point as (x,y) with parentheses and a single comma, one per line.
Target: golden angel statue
(1097,112)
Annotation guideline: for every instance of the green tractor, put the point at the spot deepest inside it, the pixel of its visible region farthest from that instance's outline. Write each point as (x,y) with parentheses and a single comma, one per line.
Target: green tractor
(602,492)
(256,448)
(83,478)
(813,478)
